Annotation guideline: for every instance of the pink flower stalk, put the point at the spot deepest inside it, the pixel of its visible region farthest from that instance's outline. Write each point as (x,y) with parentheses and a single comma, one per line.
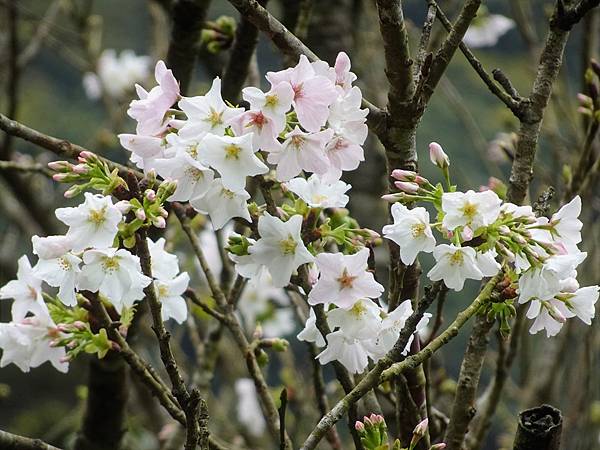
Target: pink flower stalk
(438,156)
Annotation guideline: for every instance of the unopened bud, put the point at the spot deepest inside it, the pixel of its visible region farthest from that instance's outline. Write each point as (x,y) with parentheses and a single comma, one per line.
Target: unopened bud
(141,215)
(555,313)
(59,177)
(159,222)
(86,155)
(71,192)
(59,165)
(438,156)
(466,234)
(163,212)
(79,325)
(408,187)
(359,426)
(440,446)
(404,175)
(503,229)
(150,195)
(80,169)
(123,206)
(585,100)
(421,427)
(393,198)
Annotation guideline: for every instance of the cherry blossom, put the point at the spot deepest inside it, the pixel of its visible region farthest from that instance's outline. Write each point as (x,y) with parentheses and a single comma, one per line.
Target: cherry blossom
(344,279)
(151,108)
(487,30)
(233,158)
(114,273)
(301,151)
(310,332)
(193,178)
(144,149)
(62,273)
(249,412)
(222,205)
(208,113)
(164,265)
(454,265)
(566,224)
(273,105)
(94,223)
(353,353)
(169,293)
(312,93)
(411,231)
(26,344)
(26,291)
(318,193)
(50,247)
(475,209)
(280,248)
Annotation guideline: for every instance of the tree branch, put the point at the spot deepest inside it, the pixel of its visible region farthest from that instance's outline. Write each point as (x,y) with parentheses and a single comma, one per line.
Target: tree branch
(10,441)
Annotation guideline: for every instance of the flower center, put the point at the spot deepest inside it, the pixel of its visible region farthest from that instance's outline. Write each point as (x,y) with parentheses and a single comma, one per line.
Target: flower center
(418,229)
(32,292)
(194,173)
(457,258)
(110,263)
(227,193)
(346,280)
(232,151)
(192,150)
(358,309)
(64,264)
(97,216)
(215,118)
(271,100)
(469,210)
(318,198)
(297,142)
(163,291)
(258,120)
(288,246)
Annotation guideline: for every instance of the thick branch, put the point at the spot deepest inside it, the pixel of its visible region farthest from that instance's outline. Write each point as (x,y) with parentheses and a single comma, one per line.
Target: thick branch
(10,441)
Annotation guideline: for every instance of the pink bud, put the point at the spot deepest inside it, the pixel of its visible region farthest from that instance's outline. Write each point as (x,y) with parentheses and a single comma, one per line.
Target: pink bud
(403,175)
(438,156)
(86,155)
(466,234)
(585,100)
(159,222)
(79,325)
(421,427)
(359,426)
(440,446)
(59,177)
(59,165)
(65,359)
(555,313)
(141,215)
(408,187)
(80,169)
(503,229)
(150,195)
(71,192)
(392,198)
(163,212)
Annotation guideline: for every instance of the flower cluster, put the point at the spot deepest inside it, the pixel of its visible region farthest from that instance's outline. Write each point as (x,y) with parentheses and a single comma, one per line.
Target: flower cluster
(373,434)
(85,259)
(483,232)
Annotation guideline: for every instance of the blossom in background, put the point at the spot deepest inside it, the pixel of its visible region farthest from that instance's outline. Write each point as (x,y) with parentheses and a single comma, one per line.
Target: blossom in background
(222,205)
(454,265)
(150,110)
(344,279)
(411,231)
(208,113)
(26,344)
(280,247)
(312,93)
(94,223)
(26,291)
(233,158)
(318,193)
(249,412)
(487,29)
(301,151)
(116,75)
(114,273)
(475,209)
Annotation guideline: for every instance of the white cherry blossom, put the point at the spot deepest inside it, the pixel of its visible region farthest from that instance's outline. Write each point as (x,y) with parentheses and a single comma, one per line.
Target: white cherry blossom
(454,265)
(50,247)
(359,320)
(280,248)
(94,223)
(233,158)
(170,295)
(62,273)
(114,273)
(487,264)
(581,303)
(26,344)
(193,178)
(273,105)
(566,223)
(26,291)
(351,352)
(301,151)
(144,149)
(208,113)
(475,209)
(344,279)
(318,193)
(164,265)
(222,205)
(411,231)
(310,332)
(249,412)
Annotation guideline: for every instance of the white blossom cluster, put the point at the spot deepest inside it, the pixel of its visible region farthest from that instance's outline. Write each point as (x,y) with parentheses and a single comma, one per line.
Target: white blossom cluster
(83,259)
